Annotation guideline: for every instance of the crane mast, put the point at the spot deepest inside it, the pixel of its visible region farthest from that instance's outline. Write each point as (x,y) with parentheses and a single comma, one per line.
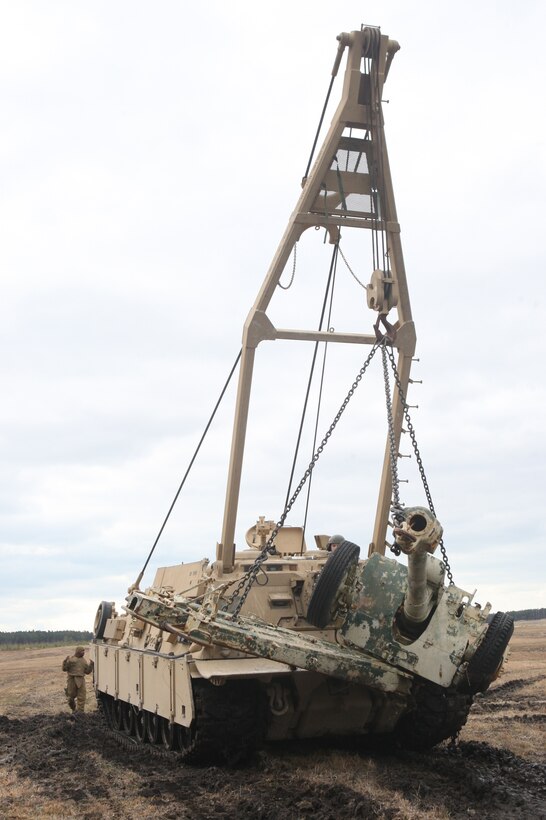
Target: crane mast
(349,187)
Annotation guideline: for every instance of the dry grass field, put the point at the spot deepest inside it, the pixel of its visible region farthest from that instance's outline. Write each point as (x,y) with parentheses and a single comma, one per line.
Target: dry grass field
(54,767)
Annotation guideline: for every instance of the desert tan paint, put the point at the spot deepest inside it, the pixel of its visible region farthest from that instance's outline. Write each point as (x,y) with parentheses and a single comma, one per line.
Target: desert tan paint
(356,671)
(312,210)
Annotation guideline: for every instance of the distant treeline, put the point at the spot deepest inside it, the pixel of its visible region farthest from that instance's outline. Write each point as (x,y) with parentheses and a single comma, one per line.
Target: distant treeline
(528,614)
(43,637)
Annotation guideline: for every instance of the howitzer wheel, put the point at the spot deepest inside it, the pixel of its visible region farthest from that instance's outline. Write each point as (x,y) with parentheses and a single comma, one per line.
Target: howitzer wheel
(321,606)
(486,661)
(437,714)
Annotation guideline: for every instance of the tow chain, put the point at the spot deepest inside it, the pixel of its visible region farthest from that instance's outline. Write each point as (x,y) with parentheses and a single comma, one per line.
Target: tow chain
(245,583)
(411,431)
(396,506)
(243,587)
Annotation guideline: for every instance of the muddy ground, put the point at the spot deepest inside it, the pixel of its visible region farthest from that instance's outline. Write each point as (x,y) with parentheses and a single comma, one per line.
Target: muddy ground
(87,774)
(52,766)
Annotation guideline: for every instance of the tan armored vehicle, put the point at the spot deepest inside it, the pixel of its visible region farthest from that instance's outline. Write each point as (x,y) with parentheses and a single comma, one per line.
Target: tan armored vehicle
(275,640)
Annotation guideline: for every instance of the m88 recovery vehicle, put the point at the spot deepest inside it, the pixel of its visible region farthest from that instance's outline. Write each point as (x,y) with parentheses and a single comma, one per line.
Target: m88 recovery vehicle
(276,640)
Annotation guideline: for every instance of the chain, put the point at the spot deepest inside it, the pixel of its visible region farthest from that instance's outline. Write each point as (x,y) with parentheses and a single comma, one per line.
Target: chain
(396,506)
(289,285)
(418,458)
(243,587)
(351,271)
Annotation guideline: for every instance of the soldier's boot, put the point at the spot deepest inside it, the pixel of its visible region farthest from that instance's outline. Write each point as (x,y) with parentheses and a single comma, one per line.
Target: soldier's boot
(72,704)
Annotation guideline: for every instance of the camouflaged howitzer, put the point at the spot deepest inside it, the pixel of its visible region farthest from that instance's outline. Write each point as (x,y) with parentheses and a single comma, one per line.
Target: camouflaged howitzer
(278,641)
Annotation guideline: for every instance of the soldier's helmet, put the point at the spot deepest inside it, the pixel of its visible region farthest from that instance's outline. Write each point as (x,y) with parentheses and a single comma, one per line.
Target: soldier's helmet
(80,650)
(334,540)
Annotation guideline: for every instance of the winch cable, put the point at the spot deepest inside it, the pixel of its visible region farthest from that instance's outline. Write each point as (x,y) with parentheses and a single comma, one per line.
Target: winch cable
(175,499)
(379,237)
(325,106)
(329,287)
(319,400)
(411,430)
(337,61)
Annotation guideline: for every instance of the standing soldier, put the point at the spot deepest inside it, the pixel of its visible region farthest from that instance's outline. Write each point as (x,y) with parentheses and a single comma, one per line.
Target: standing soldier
(76,668)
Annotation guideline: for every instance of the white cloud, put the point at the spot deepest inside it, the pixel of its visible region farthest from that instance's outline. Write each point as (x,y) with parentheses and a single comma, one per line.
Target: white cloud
(150,160)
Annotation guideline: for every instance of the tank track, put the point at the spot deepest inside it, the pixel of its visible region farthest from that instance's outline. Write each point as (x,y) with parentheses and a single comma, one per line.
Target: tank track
(132,745)
(229,726)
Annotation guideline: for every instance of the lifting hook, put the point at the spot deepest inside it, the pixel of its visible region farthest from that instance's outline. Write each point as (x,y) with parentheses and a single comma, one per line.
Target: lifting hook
(390,330)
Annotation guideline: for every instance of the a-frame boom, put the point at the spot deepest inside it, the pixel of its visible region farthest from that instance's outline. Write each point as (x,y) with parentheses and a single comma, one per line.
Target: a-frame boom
(356,193)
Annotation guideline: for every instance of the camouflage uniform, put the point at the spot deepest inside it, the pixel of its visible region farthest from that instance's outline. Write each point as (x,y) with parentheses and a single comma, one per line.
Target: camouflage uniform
(76,668)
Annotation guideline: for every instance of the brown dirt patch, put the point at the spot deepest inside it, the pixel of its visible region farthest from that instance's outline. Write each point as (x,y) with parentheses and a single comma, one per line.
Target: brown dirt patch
(51,766)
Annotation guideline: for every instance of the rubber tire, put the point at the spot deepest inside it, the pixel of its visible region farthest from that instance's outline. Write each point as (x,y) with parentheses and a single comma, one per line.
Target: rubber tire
(488,656)
(319,611)
(104,612)
(437,715)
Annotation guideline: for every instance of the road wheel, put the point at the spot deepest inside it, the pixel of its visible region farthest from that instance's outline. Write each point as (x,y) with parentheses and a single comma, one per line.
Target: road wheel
(321,608)
(105,703)
(153,727)
(127,718)
(117,714)
(185,740)
(169,735)
(140,720)
(485,662)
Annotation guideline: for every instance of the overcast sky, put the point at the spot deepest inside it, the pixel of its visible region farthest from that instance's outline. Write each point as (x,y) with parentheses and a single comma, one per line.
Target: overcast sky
(151,154)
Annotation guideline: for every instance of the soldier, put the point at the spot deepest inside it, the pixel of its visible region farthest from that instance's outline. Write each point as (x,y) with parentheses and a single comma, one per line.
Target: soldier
(333,542)
(76,668)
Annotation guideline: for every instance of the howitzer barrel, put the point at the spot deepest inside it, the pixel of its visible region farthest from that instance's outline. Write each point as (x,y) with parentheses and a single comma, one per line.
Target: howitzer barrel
(417,536)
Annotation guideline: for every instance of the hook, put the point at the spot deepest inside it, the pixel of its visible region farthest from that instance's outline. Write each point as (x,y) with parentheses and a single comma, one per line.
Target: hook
(390,330)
